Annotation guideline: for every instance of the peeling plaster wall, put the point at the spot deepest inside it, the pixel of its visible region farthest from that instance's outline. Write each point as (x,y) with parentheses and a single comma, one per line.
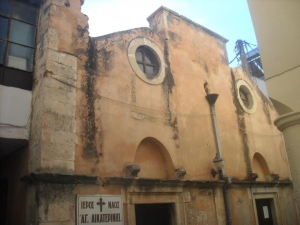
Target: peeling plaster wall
(202,59)
(117,110)
(120,113)
(261,135)
(120,109)
(201,209)
(91,112)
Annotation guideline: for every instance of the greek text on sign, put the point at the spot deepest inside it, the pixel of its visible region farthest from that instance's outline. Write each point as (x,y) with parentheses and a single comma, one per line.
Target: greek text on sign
(99,209)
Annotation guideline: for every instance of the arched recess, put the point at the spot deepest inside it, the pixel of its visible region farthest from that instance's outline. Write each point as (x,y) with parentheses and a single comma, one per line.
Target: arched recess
(260,166)
(153,159)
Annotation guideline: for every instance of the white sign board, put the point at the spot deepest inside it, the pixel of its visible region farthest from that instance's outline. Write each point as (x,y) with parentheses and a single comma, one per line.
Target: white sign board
(266,212)
(100,209)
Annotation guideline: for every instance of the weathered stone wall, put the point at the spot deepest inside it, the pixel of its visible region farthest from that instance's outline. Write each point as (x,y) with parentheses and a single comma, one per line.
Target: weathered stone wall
(54,93)
(62,38)
(258,134)
(118,114)
(201,209)
(197,57)
(114,110)
(241,206)
(92,115)
(59,206)
(118,110)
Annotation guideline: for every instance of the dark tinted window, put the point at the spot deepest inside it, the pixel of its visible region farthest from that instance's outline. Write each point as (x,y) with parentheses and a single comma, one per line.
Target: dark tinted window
(17,42)
(2,50)
(5,7)
(3,28)
(17,78)
(1,75)
(24,12)
(22,33)
(19,57)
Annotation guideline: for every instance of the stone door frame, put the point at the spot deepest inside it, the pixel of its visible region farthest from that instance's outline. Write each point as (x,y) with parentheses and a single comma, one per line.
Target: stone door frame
(137,195)
(267,193)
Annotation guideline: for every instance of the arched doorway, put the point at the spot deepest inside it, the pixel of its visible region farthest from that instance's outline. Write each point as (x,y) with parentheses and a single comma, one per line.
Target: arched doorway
(154,207)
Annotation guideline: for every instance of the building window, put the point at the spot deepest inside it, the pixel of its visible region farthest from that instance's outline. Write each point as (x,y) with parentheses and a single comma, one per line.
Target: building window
(17,42)
(246,97)
(147,61)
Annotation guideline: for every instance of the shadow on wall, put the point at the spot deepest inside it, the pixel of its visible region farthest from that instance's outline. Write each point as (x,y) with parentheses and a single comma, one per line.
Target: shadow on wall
(280,107)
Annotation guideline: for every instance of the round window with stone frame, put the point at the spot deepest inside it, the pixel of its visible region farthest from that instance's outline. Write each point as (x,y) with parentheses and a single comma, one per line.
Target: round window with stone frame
(147,60)
(246,97)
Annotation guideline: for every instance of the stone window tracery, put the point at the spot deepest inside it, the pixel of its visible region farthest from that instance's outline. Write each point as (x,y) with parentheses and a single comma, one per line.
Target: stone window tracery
(147,60)
(245,96)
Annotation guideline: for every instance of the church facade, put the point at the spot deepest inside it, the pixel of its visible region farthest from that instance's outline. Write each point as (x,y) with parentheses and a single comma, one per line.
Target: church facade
(144,126)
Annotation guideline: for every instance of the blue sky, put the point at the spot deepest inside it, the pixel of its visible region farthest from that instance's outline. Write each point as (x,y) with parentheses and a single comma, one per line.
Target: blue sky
(229,18)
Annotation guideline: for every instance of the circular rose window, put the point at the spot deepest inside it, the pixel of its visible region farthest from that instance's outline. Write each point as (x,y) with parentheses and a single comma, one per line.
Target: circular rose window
(147,60)
(246,97)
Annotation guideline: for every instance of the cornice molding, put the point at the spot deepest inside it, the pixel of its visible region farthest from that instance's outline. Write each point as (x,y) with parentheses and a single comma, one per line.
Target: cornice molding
(55,178)
(147,182)
(287,120)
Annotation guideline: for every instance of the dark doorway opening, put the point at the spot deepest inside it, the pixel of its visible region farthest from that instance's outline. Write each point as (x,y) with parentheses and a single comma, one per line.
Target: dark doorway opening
(158,214)
(3,200)
(264,212)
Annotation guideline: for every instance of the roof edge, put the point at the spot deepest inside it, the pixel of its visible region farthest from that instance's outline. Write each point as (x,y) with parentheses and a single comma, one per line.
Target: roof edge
(210,32)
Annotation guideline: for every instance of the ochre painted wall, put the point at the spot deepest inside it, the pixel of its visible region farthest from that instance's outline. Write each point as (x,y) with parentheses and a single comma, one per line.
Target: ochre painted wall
(125,109)
(94,116)
(123,120)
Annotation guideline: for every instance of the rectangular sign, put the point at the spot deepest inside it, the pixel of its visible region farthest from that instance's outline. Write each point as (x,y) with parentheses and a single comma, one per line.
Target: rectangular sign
(100,209)
(266,212)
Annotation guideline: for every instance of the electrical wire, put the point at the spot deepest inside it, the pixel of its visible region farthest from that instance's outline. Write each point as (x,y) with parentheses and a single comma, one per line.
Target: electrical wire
(234,58)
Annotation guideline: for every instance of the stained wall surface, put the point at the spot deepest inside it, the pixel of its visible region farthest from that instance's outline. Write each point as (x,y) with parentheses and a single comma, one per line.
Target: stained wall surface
(124,120)
(95,115)
(126,110)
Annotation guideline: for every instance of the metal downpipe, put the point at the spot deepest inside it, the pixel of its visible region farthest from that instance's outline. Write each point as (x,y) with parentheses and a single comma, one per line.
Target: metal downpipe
(212,98)
(226,201)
